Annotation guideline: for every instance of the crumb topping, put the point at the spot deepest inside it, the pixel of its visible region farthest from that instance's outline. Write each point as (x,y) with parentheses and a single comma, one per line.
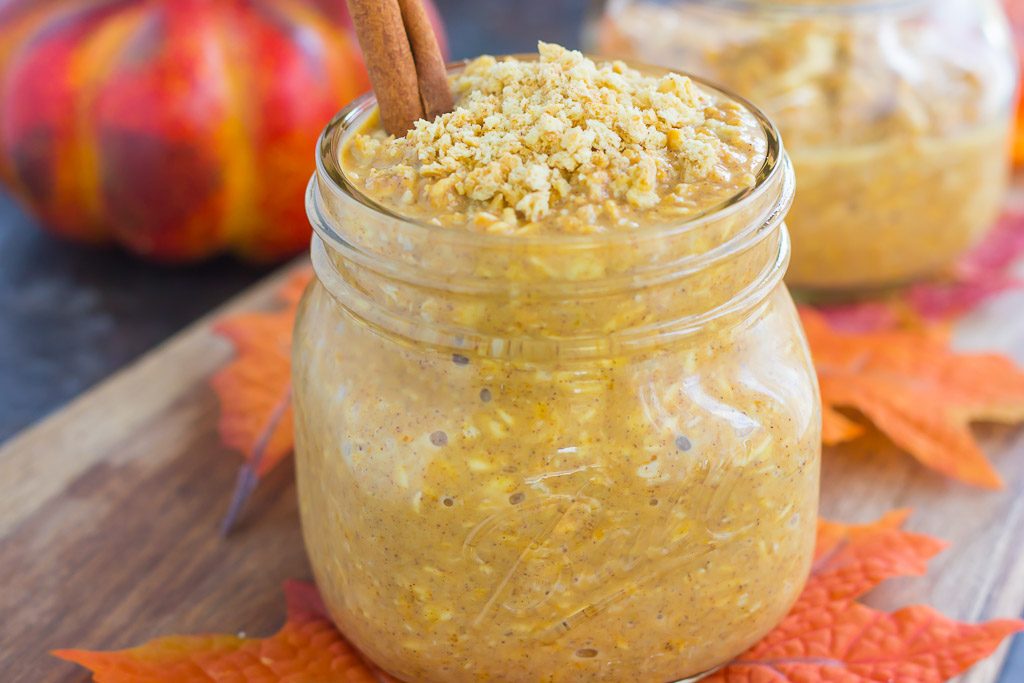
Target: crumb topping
(562,144)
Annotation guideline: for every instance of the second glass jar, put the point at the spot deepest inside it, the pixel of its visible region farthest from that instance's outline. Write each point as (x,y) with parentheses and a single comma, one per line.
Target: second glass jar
(897,114)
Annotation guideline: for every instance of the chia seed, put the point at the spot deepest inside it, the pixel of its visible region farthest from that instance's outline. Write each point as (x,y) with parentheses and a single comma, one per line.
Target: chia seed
(459,359)
(485,395)
(683,444)
(439,438)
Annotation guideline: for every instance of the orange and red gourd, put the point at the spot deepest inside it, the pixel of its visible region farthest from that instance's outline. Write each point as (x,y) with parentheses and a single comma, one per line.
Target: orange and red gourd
(176,128)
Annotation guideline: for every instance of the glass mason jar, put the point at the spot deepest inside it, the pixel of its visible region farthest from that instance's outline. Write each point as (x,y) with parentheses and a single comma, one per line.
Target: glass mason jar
(558,458)
(897,114)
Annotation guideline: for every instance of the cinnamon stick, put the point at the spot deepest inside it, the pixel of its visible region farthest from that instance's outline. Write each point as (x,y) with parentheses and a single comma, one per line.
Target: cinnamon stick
(435,93)
(403,59)
(381,33)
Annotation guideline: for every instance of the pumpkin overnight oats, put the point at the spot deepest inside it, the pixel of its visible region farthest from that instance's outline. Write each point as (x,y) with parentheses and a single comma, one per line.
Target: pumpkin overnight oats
(556,417)
(897,114)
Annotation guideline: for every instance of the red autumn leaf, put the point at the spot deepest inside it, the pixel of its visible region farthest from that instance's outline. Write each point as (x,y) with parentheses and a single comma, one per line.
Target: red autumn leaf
(863,316)
(939,301)
(255,389)
(826,638)
(981,275)
(917,391)
(307,649)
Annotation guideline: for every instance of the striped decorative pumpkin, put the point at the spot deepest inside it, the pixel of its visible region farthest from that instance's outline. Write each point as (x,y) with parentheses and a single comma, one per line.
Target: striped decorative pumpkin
(177,128)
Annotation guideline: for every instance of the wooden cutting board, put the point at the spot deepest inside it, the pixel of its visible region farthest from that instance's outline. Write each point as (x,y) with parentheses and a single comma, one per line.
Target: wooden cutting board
(109,513)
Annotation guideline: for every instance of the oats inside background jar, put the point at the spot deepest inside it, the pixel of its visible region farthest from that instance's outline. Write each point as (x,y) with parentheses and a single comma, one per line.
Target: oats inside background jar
(897,114)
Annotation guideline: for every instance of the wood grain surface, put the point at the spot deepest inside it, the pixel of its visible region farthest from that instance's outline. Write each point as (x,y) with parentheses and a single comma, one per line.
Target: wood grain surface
(109,512)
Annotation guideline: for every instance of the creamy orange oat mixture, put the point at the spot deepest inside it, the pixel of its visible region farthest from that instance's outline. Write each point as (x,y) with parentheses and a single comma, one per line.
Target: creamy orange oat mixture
(537,441)
(899,141)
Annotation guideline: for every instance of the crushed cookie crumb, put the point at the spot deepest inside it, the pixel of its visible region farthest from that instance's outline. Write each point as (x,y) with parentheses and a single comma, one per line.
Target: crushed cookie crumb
(562,144)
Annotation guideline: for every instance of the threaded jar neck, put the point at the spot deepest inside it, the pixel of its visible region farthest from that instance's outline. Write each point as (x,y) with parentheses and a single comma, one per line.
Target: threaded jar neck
(563,294)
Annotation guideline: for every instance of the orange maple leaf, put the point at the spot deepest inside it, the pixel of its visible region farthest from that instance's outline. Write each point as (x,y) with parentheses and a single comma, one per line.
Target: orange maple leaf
(850,560)
(917,391)
(307,649)
(826,637)
(255,389)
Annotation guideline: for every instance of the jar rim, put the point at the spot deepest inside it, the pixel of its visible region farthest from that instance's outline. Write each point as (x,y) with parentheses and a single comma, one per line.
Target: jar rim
(328,166)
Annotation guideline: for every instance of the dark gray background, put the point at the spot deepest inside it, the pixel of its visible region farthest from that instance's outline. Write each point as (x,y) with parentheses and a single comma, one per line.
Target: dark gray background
(70,316)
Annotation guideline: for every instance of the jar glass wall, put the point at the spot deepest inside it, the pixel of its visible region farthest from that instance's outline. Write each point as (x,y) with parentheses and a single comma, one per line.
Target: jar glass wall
(560,458)
(897,114)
